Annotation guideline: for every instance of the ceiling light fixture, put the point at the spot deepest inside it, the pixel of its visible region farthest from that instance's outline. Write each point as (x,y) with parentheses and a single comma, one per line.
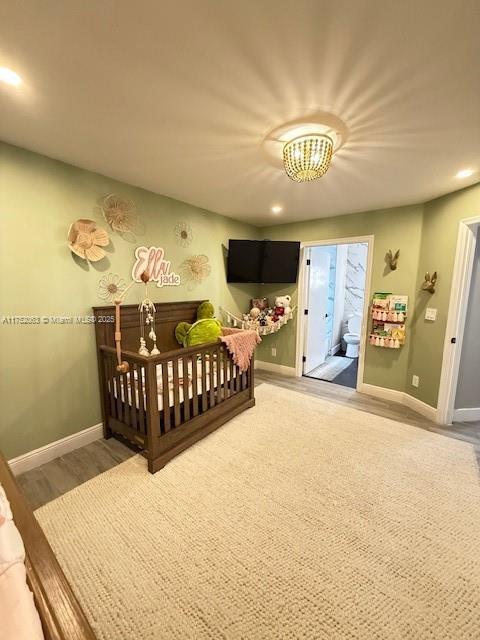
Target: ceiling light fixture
(304,147)
(308,157)
(276,208)
(465,173)
(9,77)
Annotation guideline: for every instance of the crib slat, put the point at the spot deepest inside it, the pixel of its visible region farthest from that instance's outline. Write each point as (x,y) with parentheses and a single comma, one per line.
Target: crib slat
(232,376)
(194,384)
(126,404)
(203,363)
(133,406)
(118,388)
(244,380)
(237,379)
(186,389)
(166,398)
(218,389)
(211,378)
(141,398)
(176,393)
(226,390)
(109,373)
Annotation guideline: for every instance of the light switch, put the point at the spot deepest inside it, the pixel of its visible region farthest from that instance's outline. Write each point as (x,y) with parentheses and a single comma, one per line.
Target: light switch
(430,314)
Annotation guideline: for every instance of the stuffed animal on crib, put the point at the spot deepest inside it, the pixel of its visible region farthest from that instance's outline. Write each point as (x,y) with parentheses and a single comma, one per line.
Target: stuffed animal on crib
(282,307)
(206,329)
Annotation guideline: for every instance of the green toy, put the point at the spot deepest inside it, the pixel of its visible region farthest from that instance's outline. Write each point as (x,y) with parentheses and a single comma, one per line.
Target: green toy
(206,329)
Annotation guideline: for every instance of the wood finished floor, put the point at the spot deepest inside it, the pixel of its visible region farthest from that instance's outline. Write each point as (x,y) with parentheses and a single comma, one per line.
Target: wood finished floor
(51,480)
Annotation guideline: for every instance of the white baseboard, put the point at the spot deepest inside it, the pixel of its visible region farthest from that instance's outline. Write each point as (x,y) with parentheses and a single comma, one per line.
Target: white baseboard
(469,414)
(400,397)
(421,407)
(336,348)
(380,392)
(44,454)
(281,369)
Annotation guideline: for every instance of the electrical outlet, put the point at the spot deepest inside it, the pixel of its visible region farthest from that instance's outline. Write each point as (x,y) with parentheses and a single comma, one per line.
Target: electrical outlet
(415,381)
(274,352)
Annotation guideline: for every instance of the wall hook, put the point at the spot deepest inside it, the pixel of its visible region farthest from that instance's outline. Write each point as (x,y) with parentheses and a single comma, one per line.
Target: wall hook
(391,259)
(430,282)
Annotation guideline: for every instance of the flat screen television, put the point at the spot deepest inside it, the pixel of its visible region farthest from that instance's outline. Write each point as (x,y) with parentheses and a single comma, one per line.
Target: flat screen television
(265,261)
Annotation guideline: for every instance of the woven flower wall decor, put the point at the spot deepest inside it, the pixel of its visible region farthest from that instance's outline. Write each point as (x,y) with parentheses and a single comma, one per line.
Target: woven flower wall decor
(85,239)
(183,234)
(110,287)
(120,213)
(194,270)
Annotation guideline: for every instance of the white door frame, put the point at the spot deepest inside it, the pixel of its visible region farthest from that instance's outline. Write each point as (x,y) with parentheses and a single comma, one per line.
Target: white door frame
(457,314)
(302,297)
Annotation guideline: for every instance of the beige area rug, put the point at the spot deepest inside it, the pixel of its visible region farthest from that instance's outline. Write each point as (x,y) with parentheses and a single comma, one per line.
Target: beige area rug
(300,518)
(330,369)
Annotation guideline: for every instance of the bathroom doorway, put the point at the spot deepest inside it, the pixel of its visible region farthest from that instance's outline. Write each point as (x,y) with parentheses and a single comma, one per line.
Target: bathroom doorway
(335,299)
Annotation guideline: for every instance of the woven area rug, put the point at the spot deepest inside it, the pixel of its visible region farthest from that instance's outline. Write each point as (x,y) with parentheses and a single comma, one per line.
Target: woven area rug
(300,518)
(331,368)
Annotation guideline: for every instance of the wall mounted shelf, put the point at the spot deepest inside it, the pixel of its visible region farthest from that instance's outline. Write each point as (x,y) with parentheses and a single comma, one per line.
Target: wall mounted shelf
(389,315)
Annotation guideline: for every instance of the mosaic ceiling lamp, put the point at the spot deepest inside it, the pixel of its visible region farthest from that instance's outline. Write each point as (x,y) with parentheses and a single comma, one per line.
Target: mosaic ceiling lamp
(307,157)
(86,240)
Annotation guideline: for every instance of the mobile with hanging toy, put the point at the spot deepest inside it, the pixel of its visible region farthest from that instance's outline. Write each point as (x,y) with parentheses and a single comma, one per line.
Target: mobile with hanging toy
(147,322)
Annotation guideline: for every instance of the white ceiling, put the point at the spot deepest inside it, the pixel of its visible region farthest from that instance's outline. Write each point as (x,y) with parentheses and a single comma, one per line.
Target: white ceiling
(176,96)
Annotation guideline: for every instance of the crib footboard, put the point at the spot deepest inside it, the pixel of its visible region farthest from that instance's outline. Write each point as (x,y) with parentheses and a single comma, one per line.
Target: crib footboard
(166,403)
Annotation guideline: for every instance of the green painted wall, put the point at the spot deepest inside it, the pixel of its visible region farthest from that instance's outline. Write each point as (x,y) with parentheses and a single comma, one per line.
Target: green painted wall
(437,253)
(426,236)
(49,384)
(398,228)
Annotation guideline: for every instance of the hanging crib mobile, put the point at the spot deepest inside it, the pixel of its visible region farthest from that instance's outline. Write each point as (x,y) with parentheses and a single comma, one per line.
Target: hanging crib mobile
(147,323)
(147,320)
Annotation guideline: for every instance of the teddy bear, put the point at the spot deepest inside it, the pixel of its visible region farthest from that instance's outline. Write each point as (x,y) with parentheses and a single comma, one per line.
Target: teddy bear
(282,307)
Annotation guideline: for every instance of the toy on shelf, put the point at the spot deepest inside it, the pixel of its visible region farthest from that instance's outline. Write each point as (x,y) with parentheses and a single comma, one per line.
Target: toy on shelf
(389,314)
(262,318)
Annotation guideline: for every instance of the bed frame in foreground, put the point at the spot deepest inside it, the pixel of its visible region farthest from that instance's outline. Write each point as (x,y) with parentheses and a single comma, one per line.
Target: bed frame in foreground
(60,613)
(163,433)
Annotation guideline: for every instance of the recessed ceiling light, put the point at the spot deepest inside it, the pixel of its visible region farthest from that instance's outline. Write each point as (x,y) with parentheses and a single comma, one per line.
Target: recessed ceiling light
(276,208)
(9,77)
(465,173)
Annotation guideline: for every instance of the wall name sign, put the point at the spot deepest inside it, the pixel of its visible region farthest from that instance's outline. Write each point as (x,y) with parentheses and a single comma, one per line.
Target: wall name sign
(152,260)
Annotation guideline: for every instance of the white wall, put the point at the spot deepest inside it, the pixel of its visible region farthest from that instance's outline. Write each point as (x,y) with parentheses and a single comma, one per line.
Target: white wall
(355,279)
(468,389)
(339,302)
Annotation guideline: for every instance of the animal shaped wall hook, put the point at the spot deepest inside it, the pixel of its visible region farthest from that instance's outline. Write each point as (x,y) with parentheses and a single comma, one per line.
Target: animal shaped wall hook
(430,282)
(392,259)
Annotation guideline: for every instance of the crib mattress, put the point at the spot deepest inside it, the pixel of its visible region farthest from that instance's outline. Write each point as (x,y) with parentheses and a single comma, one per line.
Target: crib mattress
(132,381)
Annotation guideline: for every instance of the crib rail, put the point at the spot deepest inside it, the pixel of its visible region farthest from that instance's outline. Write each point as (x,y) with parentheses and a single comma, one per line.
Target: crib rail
(163,400)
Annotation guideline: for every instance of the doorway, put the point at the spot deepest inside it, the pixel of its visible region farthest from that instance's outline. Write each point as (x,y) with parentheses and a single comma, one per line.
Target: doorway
(459,394)
(335,302)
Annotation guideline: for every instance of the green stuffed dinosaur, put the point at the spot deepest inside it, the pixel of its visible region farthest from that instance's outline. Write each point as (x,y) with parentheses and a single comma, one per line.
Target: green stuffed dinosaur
(205,329)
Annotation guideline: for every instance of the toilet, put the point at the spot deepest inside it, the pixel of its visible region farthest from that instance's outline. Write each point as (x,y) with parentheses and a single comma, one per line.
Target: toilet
(352,338)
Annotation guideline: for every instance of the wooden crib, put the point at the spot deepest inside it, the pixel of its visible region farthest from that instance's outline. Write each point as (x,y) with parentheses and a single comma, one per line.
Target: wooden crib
(166,403)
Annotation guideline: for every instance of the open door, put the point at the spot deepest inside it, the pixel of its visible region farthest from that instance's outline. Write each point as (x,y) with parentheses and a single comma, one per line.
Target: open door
(316,325)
